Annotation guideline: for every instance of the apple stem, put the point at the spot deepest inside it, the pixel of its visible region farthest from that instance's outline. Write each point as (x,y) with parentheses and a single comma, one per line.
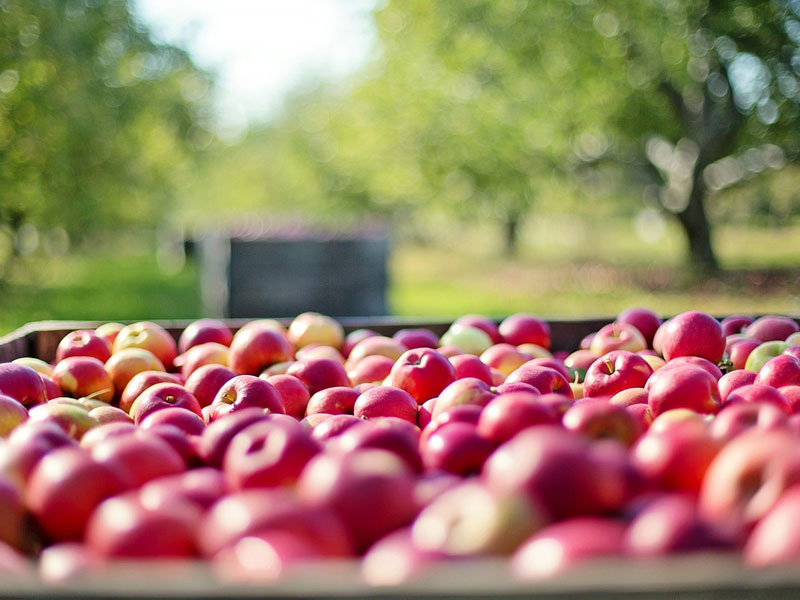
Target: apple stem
(610,365)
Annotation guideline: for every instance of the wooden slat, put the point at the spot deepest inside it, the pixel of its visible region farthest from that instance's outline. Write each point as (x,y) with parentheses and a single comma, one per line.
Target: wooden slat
(41,338)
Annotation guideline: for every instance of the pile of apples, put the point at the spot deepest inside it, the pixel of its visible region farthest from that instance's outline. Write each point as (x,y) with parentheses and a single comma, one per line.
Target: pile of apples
(277,447)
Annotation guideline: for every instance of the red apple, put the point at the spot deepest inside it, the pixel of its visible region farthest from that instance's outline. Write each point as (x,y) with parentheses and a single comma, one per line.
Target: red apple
(386,401)
(780,371)
(771,327)
(333,426)
(163,395)
(375,344)
(457,448)
(338,400)
(203,331)
(109,332)
(671,523)
(617,336)
(352,338)
(677,457)
(682,387)
(109,414)
(294,394)
(578,363)
(423,373)
(469,365)
(105,431)
(735,324)
(561,546)
(388,433)
(83,342)
(372,491)
(218,435)
(267,454)
(630,397)
(22,383)
(248,512)
(416,338)
(74,419)
(693,333)
(748,476)
(544,379)
(734,379)
(65,487)
(597,418)
(641,414)
(319,351)
(255,348)
(759,394)
(187,421)
(614,372)
(741,416)
(319,373)
(148,336)
(140,382)
(205,383)
(463,391)
(523,328)
(508,414)
(12,414)
(125,364)
(80,376)
(504,357)
(202,487)
(38,365)
(245,391)
(140,456)
(694,361)
(792,395)
(27,445)
(12,507)
(645,320)
(371,369)
(51,388)
(123,527)
(558,469)
(775,540)
(740,352)
(425,413)
(209,353)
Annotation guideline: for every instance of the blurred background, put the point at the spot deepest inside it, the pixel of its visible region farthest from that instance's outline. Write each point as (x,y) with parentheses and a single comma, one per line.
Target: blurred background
(567,158)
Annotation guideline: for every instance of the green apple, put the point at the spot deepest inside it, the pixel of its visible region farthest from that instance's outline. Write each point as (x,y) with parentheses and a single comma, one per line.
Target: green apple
(469,339)
(794,339)
(761,354)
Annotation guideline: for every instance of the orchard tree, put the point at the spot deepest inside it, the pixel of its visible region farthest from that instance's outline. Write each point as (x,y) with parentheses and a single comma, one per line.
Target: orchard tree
(99,124)
(479,101)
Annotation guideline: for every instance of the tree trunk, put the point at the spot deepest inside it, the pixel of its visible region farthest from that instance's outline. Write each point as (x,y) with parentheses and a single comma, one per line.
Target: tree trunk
(511,234)
(695,225)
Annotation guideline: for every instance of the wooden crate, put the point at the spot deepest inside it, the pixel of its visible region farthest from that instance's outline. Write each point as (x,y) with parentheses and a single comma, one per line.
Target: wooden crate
(700,576)
(40,339)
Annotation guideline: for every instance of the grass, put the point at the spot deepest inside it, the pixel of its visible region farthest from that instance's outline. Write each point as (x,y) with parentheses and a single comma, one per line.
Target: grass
(566,267)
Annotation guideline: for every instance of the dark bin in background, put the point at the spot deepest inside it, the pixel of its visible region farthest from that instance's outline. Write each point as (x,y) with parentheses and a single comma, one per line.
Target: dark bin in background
(281,276)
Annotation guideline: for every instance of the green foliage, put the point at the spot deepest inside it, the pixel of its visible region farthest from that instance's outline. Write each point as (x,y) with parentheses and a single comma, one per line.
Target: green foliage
(485,109)
(99,125)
